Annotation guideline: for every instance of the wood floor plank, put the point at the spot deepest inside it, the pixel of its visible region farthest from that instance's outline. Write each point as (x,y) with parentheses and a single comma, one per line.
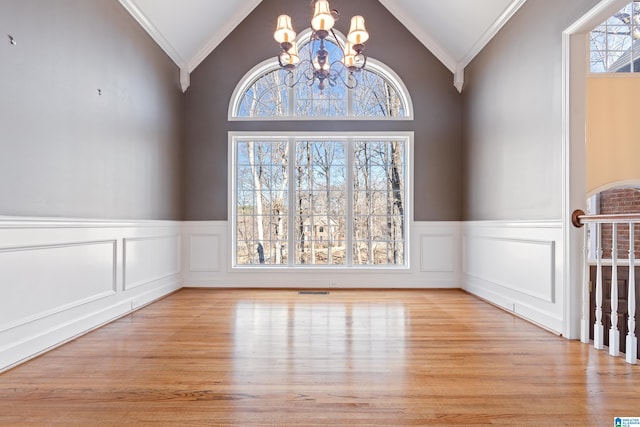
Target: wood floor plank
(358,358)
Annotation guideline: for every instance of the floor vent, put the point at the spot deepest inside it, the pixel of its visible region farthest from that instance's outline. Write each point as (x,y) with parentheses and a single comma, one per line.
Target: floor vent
(313,292)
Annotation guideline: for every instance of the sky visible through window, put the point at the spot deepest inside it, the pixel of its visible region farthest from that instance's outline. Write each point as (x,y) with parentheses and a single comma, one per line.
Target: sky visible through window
(276,93)
(615,44)
(309,198)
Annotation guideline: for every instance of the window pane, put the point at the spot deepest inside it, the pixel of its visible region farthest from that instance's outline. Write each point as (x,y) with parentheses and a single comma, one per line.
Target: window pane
(376,97)
(332,224)
(268,96)
(320,201)
(615,44)
(598,62)
(619,37)
(378,202)
(261,202)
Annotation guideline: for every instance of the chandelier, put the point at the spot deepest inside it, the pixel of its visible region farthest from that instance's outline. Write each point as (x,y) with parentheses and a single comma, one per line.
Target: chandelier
(318,66)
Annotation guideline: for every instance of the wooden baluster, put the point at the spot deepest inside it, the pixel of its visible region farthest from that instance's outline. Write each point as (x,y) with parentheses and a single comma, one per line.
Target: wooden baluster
(632,341)
(598,327)
(586,304)
(614,333)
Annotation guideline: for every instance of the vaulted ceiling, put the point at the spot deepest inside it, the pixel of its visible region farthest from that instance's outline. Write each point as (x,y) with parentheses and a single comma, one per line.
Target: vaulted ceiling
(453,30)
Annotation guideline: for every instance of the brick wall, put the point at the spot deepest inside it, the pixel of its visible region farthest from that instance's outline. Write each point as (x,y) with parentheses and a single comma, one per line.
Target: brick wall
(617,201)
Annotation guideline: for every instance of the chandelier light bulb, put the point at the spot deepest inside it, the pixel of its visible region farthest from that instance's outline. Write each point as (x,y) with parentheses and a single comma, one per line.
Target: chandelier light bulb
(290,58)
(358,34)
(318,65)
(323,19)
(349,59)
(284,33)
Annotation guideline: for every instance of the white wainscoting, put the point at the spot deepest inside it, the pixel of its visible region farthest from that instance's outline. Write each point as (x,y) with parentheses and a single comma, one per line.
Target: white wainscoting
(149,259)
(61,277)
(518,266)
(435,262)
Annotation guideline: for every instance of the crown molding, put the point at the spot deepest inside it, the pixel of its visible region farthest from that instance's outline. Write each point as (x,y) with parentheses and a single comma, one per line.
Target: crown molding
(185,79)
(160,39)
(414,28)
(490,33)
(220,35)
(458,78)
(154,32)
(596,15)
(505,16)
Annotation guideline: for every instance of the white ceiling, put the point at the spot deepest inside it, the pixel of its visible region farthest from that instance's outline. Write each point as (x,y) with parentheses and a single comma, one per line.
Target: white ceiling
(453,30)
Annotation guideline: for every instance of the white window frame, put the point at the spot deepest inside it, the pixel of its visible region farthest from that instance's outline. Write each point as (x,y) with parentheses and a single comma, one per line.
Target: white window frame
(406,136)
(272,64)
(630,53)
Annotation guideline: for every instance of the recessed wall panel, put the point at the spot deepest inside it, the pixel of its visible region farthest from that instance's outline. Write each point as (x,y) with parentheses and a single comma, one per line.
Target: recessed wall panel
(204,252)
(526,266)
(438,253)
(41,280)
(149,259)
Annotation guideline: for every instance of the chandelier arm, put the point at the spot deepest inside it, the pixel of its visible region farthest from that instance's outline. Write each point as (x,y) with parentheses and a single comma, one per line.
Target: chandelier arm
(282,64)
(311,44)
(317,66)
(364,61)
(305,70)
(332,77)
(291,80)
(333,33)
(350,81)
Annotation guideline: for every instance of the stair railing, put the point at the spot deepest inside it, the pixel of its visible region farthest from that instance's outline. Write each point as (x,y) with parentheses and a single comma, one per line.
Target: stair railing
(617,222)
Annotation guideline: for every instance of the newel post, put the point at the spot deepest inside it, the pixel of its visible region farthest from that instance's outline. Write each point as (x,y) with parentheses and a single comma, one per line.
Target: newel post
(632,340)
(584,320)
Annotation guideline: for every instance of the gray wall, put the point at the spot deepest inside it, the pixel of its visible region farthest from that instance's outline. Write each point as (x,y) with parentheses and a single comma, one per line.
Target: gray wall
(67,151)
(512,115)
(437,105)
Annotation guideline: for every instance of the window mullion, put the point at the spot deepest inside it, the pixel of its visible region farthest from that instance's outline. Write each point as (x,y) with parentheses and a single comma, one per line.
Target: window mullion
(349,203)
(292,101)
(291,237)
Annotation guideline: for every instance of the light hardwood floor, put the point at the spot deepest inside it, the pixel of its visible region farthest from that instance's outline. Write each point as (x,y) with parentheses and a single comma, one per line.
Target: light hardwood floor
(349,358)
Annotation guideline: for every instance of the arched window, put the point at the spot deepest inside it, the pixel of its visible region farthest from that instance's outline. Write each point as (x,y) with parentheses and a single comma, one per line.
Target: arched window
(269,92)
(320,199)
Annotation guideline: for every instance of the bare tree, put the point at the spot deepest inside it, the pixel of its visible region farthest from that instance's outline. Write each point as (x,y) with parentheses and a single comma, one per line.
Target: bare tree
(320,214)
(615,44)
